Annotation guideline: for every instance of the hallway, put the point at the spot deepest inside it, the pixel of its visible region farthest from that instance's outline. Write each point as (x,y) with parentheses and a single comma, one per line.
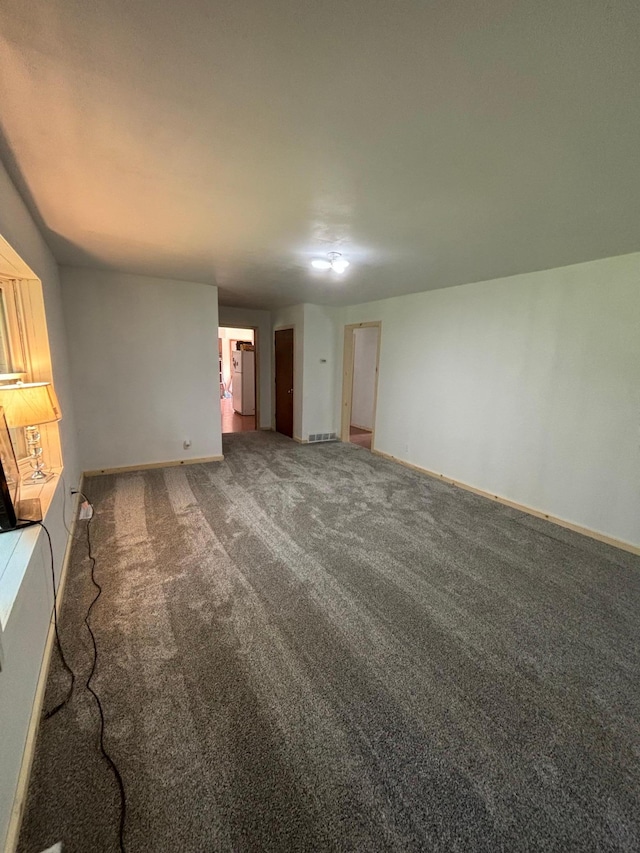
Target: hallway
(232,421)
(361,437)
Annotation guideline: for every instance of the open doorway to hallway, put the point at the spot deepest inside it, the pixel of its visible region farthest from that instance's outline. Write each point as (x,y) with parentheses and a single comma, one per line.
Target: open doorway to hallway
(237,358)
(361,349)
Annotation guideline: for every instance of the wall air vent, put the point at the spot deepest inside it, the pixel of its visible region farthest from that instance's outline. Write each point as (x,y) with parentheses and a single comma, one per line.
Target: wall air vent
(322,436)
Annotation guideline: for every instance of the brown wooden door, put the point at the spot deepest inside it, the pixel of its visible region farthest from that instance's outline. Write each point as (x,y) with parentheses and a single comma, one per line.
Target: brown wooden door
(284,381)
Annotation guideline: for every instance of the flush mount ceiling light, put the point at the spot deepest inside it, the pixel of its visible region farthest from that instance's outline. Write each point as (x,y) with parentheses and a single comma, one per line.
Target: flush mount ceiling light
(334,261)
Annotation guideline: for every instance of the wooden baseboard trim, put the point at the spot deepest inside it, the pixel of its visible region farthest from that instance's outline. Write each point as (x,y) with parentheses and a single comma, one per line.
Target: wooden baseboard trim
(267,429)
(366,429)
(561,522)
(22,788)
(146,465)
(301,440)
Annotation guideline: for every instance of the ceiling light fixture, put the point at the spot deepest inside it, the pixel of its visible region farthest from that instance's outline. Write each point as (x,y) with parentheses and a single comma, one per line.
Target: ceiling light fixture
(320,264)
(334,261)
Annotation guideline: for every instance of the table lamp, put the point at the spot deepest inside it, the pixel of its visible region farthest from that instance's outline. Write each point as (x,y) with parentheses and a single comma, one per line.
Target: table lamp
(29,405)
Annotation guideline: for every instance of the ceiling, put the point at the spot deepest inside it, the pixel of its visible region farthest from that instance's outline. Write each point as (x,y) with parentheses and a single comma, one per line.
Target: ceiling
(231,141)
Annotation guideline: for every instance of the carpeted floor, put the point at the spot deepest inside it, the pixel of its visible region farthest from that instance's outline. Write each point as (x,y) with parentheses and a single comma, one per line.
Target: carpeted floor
(309,648)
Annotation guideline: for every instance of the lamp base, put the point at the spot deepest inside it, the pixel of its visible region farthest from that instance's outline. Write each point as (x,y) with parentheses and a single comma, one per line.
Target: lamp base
(38,478)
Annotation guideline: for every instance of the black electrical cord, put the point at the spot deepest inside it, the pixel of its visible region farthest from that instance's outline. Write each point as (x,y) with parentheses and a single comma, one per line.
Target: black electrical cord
(60,705)
(107,757)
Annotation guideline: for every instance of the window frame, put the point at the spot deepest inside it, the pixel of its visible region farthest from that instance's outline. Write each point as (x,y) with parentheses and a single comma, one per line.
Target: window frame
(16,345)
(14,320)
(28,345)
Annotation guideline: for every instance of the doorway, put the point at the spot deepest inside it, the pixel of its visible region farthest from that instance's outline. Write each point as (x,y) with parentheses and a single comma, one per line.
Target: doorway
(360,384)
(283,344)
(238,368)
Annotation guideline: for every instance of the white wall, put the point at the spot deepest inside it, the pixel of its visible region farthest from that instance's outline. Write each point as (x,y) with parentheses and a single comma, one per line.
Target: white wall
(262,320)
(291,316)
(365,350)
(144,363)
(321,331)
(24,635)
(527,387)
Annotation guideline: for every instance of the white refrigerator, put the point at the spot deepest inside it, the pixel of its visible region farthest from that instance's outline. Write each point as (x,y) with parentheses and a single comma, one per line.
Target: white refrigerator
(243,381)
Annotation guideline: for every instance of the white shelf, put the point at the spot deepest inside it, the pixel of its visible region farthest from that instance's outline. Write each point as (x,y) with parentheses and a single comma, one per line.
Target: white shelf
(17,546)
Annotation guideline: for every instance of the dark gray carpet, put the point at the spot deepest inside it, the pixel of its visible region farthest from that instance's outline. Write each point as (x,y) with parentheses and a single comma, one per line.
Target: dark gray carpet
(314,649)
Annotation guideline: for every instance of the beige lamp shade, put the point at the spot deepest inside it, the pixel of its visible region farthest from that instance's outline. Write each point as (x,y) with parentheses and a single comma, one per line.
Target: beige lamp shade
(30,404)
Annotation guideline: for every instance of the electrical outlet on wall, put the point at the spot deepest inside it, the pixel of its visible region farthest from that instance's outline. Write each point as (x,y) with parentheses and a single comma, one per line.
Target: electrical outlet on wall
(86,511)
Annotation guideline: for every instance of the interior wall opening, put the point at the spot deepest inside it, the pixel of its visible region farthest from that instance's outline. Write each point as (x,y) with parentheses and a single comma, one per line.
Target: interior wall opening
(237,363)
(361,353)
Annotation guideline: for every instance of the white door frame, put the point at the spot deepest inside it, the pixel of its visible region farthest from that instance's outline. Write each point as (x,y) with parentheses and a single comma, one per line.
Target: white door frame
(256,376)
(347,378)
